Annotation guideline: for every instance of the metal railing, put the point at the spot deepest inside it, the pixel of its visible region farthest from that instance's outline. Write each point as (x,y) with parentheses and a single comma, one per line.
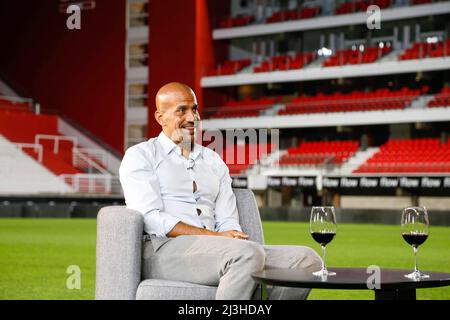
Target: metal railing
(84,162)
(97,155)
(88,183)
(56,139)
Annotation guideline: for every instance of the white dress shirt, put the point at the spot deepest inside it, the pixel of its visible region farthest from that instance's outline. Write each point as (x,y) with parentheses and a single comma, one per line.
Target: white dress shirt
(158,182)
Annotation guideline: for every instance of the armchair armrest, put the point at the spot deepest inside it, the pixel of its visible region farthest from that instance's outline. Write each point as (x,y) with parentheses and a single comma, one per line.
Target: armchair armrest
(119,252)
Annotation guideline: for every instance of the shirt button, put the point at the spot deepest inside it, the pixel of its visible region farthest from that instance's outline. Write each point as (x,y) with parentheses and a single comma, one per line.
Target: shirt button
(199,212)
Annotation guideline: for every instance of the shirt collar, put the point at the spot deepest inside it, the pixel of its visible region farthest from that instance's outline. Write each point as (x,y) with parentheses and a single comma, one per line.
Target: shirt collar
(168,145)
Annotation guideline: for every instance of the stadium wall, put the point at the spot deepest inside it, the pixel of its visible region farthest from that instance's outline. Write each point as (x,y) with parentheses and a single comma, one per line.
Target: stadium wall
(181,47)
(77,73)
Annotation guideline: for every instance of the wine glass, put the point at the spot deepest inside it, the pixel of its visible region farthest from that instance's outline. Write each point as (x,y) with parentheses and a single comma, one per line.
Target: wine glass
(414,225)
(323,229)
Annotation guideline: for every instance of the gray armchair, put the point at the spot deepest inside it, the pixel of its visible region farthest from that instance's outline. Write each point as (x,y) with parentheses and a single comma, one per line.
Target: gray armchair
(123,251)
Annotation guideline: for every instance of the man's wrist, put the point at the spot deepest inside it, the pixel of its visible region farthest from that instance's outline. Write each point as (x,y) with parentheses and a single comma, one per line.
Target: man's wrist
(210,233)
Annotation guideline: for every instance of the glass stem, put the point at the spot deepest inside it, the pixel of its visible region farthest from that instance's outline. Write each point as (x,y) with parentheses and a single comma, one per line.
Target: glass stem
(416,267)
(323,258)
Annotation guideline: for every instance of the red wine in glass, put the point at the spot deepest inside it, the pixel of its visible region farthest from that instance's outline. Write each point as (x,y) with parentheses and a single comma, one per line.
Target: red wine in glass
(322,226)
(414,225)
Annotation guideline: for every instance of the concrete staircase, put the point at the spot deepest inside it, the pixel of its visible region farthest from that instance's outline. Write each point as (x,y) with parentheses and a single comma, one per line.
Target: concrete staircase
(357,160)
(421,102)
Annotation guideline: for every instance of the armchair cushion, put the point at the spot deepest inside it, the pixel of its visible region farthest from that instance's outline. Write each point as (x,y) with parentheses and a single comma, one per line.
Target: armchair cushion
(154,289)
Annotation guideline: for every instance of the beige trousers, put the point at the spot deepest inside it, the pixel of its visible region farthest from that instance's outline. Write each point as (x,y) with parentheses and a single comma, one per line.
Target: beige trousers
(228,264)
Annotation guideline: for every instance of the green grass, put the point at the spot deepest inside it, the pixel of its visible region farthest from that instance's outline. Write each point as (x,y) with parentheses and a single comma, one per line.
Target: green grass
(363,245)
(35,254)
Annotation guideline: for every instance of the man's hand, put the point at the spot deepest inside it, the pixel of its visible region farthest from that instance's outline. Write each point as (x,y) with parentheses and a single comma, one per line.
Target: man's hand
(233,234)
(182,228)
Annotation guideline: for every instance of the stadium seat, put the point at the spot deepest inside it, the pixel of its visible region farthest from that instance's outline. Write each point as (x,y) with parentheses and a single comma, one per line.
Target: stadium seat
(426,155)
(381,99)
(356,56)
(294,14)
(360,6)
(240,158)
(285,62)
(442,99)
(12,106)
(239,21)
(229,67)
(244,108)
(421,50)
(319,153)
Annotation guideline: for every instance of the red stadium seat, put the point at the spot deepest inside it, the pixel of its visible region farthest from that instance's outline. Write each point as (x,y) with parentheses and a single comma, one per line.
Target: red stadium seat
(318,153)
(381,99)
(420,50)
(229,67)
(239,158)
(282,63)
(427,155)
(442,99)
(243,108)
(356,56)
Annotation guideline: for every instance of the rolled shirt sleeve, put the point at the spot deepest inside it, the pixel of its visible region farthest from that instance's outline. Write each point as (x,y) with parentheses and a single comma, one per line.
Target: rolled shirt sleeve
(142,193)
(226,213)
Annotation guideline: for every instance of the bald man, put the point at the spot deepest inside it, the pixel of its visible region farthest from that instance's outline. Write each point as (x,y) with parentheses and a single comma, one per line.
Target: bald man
(184,192)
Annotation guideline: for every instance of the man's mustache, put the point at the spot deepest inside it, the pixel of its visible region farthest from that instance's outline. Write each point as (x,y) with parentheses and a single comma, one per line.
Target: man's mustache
(190,124)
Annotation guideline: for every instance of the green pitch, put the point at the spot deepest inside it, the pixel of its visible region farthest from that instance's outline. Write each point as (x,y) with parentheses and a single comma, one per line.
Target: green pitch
(35,254)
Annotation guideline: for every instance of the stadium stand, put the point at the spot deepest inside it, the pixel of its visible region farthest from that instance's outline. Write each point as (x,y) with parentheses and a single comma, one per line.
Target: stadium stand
(381,99)
(295,14)
(229,67)
(14,104)
(356,56)
(360,6)
(59,154)
(32,125)
(421,50)
(244,108)
(427,155)
(240,21)
(285,62)
(22,174)
(442,99)
(319,153)
(307,11)
(239,157)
